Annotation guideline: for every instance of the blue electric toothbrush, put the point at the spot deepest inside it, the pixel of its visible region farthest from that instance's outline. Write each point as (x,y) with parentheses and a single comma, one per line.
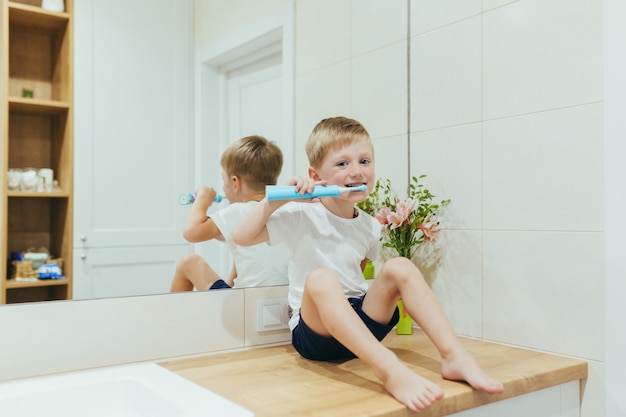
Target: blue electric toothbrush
(188,198)
(288,192)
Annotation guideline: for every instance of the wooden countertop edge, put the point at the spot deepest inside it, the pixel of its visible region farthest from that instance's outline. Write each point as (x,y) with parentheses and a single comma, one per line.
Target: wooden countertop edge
(471,398)
(280,373)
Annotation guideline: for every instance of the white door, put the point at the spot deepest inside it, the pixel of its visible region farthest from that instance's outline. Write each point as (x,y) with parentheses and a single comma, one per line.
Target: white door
(255,101)
(133,147)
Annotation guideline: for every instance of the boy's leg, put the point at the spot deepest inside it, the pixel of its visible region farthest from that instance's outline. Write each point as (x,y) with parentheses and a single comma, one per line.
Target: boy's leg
(193,271)
(327,312)
(400,277)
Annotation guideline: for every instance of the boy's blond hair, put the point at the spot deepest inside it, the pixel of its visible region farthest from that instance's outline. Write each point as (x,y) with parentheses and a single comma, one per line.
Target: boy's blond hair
(255,160)
(331,134)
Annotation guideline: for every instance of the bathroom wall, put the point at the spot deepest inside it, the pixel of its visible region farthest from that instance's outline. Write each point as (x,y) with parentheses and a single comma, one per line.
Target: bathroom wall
(615,204)
(227,18)
(505,116)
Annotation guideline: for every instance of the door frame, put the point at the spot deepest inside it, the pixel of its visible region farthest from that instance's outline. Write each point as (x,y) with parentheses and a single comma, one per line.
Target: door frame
(212,63)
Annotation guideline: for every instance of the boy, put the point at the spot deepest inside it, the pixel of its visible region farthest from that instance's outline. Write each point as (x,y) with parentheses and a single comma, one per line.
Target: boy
(335,316)
(248,165)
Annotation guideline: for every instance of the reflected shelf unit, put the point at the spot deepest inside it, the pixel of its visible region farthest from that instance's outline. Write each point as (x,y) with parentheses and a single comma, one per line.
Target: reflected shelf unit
(36,128)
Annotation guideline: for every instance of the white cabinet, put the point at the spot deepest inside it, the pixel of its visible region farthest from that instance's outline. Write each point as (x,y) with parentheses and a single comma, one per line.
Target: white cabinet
(127,271)
(134,138)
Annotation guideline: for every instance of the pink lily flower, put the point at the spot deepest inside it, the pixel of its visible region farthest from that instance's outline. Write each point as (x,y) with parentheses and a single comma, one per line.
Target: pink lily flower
(430,229)
(401,215)
(382,215)
(404,209)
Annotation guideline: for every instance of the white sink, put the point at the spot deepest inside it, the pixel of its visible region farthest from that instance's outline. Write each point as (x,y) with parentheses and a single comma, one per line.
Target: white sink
(138,390)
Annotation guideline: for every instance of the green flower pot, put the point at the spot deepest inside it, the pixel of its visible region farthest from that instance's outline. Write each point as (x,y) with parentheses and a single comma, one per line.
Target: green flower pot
(405,325)
(368,271)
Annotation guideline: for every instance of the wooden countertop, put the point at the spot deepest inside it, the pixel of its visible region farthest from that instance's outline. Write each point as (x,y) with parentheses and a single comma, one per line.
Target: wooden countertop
(276,381)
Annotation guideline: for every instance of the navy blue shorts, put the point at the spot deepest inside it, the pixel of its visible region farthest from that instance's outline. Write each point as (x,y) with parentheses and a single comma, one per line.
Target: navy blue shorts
(321,348)
(220,284)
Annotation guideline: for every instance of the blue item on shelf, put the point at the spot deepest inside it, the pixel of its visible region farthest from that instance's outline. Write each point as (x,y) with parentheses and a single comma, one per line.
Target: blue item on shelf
(50,271)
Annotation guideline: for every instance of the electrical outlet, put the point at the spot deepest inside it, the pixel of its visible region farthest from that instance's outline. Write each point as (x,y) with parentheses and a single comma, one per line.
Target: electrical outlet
(272,314)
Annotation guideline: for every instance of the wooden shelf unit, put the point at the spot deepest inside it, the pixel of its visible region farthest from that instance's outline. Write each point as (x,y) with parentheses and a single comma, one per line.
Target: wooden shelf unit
(36,54)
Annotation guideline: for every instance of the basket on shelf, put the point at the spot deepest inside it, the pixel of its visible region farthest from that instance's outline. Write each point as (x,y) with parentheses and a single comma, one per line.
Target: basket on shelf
(23,270)
(58,261)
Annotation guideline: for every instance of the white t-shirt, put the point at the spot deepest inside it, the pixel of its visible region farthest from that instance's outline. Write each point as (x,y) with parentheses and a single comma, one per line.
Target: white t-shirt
(258,265)
(317,238)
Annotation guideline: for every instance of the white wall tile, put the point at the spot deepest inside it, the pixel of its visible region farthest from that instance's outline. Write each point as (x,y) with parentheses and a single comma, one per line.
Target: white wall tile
(541,55)
(377,23)
(389,156)
(446,76)
(215,18)
(456,279)
(320,94)
(545,290)
(431,14)
(544,171)
(592,399)
(379,90)
(614,80)
(323,33)
(451,159)
(492,4)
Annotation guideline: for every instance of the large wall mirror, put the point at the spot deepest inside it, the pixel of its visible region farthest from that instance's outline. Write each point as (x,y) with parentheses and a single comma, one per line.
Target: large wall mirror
(162,112)
(153,113)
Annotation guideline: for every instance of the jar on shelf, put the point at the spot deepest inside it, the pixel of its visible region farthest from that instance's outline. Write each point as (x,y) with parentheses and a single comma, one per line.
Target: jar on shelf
(53,5)
(46,179)
(30,179)
(15,178)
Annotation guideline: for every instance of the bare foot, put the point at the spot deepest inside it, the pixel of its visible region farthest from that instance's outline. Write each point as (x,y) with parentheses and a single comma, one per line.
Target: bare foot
(461,366)
(412,390)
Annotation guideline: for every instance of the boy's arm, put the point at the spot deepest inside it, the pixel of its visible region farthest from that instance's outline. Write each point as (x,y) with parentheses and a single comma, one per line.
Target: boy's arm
(198,226)
(252,229)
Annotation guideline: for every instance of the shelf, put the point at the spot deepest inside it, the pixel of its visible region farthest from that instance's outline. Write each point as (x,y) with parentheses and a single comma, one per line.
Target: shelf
(36,17)
(37,131)
(37,106)
(40,58)
(11,283)
(39,194)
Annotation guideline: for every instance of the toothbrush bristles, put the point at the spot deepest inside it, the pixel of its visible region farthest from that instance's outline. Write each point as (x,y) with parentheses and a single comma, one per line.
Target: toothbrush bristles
(357,188)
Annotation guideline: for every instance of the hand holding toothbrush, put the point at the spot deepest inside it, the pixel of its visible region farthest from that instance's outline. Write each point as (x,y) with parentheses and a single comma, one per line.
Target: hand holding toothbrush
(301,189)
(307,189)
(206,195)
(187,198)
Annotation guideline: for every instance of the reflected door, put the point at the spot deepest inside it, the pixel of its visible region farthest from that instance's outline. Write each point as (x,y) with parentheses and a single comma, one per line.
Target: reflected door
(255,101)
(133,147)
(253,107)
(244,95)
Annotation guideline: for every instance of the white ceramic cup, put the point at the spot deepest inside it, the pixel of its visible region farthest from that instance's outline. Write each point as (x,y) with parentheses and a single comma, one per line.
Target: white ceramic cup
(15,178)
(29,179)
(53,5)
(46,176)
